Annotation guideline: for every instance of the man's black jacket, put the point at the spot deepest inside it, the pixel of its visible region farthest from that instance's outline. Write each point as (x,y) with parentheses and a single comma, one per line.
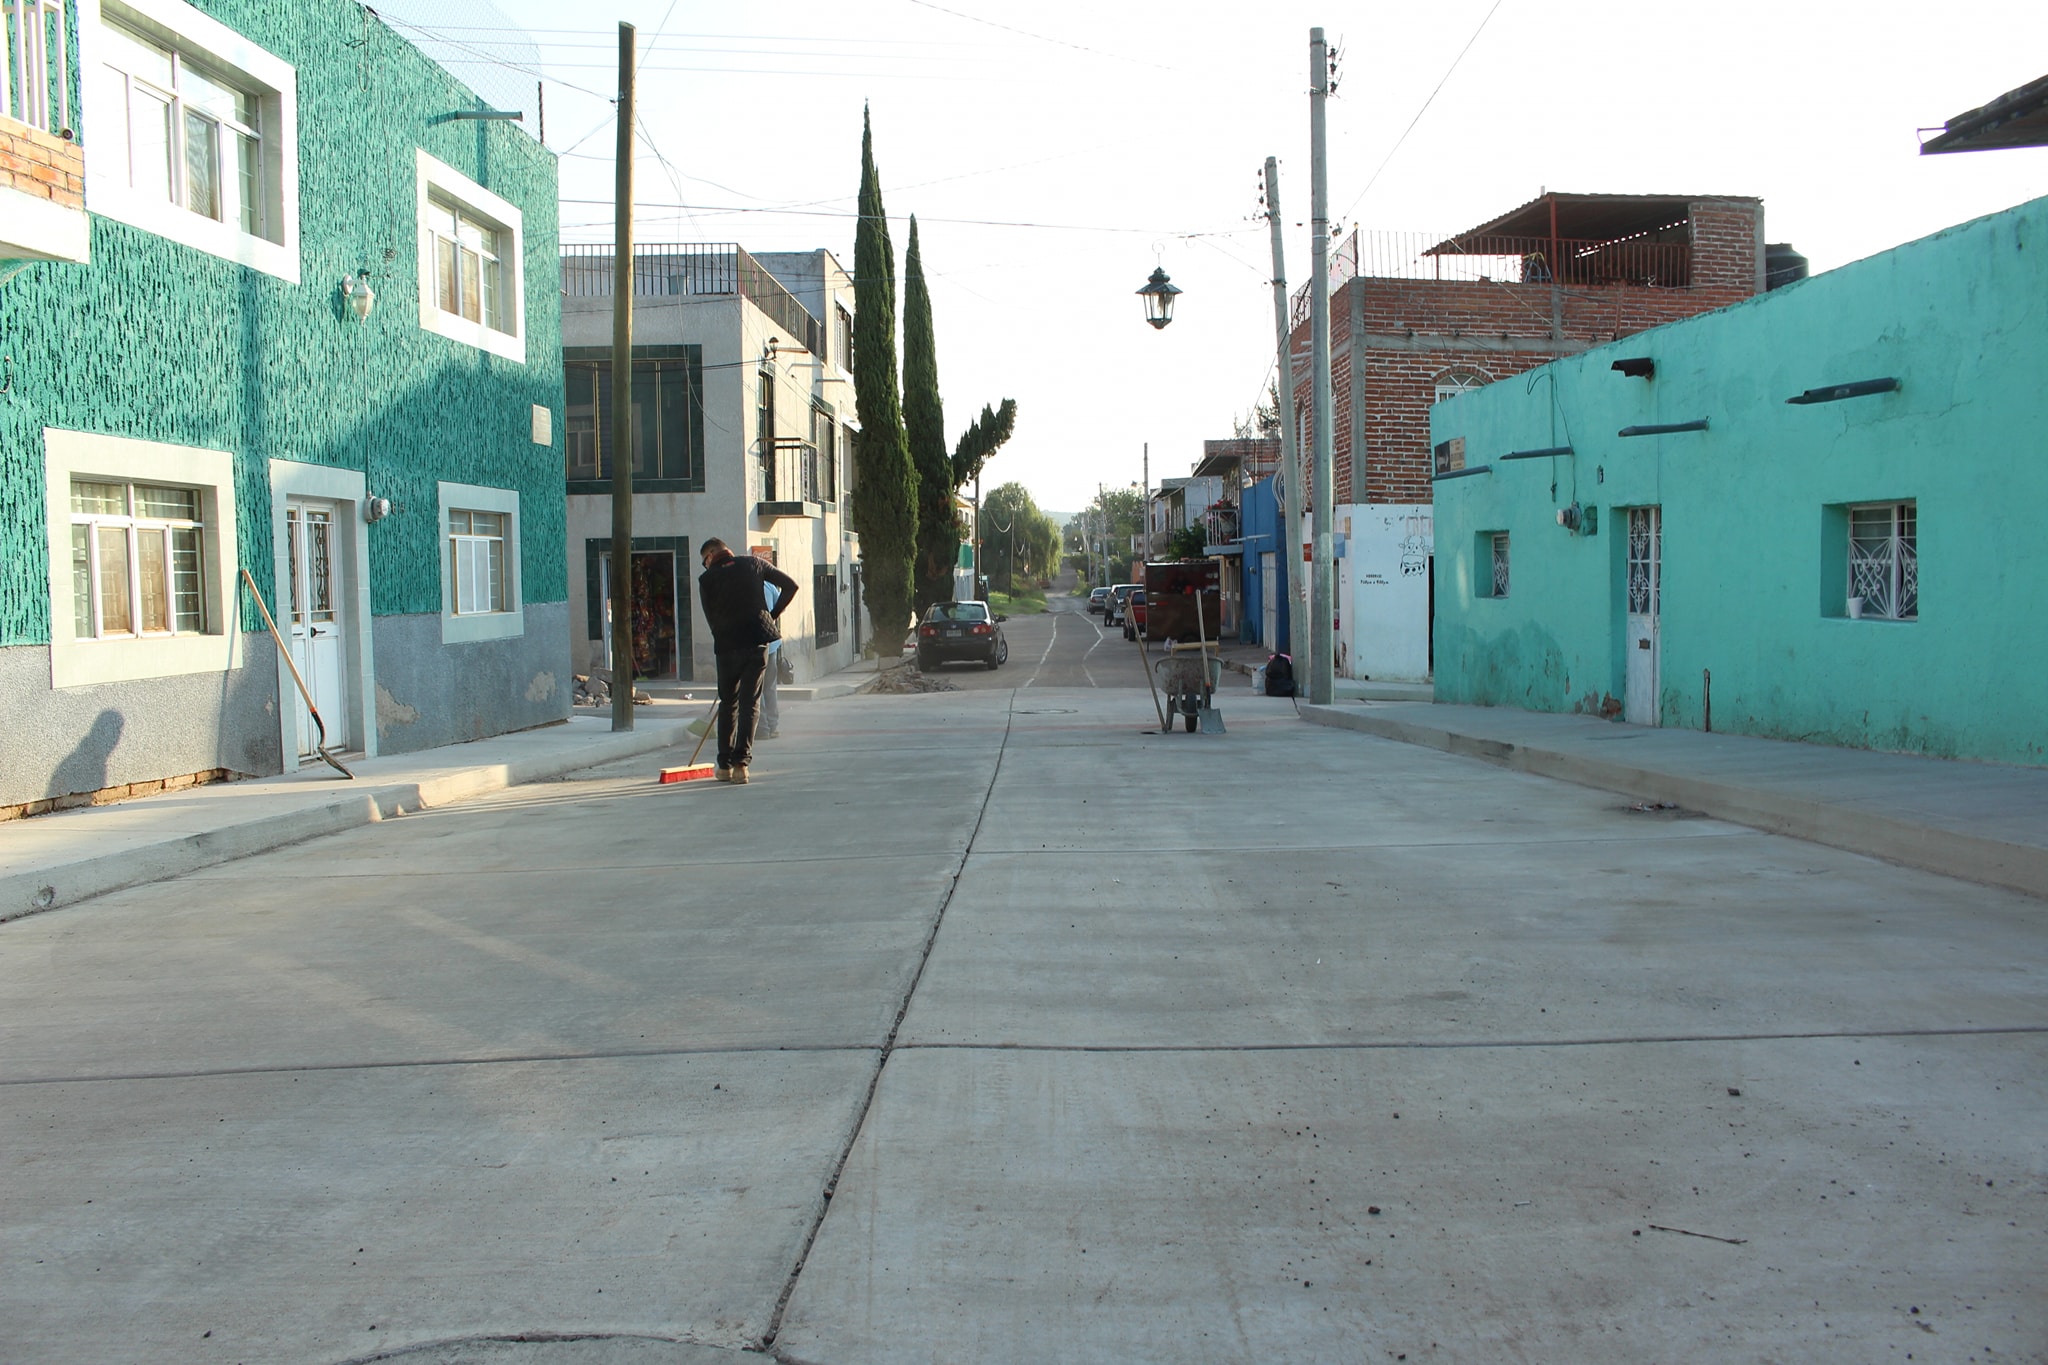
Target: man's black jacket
(735,605)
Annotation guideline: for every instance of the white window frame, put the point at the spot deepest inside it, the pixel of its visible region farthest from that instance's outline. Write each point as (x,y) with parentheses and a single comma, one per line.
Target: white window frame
(470,626)
(439,188)
(177,25)
(82,661)
(133,524)
(1451,383)
(1899,562)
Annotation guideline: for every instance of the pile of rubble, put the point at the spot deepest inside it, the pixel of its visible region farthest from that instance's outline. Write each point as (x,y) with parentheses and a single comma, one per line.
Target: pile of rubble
(897,682)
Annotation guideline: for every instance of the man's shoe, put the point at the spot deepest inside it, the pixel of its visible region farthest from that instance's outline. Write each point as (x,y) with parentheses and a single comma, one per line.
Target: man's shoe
(739,775)
(724,774)
(766,734)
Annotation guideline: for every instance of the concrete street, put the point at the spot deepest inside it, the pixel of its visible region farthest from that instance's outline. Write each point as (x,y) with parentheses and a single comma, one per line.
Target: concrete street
(985,1026)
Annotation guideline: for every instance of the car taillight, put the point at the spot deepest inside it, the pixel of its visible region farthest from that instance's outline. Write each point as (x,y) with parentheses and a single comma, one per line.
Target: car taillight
(984,630)
(927,631)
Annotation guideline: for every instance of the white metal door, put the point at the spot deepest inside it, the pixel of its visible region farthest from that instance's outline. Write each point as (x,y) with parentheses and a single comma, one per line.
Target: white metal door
(317,639)
(1645,601)
(1269,590)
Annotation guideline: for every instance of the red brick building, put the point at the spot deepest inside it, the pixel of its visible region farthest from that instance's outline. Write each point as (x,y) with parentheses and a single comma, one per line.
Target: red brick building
(1414,319)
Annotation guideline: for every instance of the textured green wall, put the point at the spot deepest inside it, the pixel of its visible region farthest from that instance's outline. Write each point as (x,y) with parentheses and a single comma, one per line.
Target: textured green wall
(1753,581)
(161,342)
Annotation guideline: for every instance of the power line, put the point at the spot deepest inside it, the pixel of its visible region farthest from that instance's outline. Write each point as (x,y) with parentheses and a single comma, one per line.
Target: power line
(958,222)
(1424,109)
(433,35)
(1039,37)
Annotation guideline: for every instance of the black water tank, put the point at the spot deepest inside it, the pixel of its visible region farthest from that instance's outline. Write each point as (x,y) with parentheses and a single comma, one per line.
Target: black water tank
(1782,265)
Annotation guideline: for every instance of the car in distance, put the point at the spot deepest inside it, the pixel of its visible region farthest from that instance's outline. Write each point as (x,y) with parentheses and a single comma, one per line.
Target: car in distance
(1134,615)
(1113,609)
(1098,598)
(956,631)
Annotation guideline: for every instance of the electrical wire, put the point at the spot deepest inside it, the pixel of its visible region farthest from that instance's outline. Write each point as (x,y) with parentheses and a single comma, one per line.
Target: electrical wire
(1039,37)
(957,222)
(434,35)
(1423,110)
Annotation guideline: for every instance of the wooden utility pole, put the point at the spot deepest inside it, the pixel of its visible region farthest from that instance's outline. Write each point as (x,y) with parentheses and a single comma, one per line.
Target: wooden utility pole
(1293,487)
(622,398)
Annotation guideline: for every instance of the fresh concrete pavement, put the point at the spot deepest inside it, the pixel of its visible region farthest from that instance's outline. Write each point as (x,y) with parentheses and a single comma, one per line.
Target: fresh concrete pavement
(986,1026)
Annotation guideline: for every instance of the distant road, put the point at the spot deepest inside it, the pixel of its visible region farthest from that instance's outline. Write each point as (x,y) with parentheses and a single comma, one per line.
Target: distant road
(1064,646)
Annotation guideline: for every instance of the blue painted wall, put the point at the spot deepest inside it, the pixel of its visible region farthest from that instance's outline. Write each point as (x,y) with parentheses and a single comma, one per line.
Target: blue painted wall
(1754,564)
(1261,518)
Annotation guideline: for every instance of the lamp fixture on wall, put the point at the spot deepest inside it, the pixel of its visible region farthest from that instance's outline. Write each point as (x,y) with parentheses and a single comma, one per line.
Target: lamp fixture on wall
(356,289)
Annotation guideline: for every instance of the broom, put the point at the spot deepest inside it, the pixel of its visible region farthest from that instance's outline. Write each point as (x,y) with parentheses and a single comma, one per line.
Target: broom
(693,770)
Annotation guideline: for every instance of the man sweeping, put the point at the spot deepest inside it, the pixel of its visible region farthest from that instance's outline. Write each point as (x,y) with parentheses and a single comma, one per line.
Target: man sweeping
(742,627)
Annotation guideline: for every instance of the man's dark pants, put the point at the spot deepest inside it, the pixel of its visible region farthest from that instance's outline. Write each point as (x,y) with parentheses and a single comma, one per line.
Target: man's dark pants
(739,700)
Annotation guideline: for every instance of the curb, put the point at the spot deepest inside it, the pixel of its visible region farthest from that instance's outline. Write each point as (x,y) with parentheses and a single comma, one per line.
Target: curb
(1951,853)
(65,884)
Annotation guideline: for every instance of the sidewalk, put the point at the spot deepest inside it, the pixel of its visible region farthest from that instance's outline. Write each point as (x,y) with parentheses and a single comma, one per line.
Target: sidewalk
(1984,822)
(69,856)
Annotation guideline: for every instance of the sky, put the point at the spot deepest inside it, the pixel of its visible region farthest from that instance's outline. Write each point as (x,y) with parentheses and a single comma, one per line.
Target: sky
(1054,153)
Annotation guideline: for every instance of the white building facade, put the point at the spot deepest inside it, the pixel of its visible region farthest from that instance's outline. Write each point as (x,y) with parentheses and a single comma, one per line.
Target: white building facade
(743,419)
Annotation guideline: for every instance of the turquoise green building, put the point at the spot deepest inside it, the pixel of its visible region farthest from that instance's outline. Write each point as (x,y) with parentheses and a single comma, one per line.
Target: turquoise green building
(282,321)
(1806,516)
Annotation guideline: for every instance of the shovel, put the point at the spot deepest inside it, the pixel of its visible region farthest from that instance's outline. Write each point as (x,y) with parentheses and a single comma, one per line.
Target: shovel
(1209,720)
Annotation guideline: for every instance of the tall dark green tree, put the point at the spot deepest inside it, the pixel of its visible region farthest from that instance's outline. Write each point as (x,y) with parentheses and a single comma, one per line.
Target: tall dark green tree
(924,422)
(982,440)
(885,491)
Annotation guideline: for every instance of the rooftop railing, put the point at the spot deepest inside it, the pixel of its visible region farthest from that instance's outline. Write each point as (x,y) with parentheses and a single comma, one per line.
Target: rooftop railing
(35,64)
(1659,259)
(710,270)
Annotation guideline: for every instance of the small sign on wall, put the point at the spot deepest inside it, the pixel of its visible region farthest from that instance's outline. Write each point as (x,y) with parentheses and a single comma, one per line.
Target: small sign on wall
(1450,455)
(543,425)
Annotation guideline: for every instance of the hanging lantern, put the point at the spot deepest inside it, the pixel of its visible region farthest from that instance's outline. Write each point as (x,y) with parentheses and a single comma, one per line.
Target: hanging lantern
(1158,295)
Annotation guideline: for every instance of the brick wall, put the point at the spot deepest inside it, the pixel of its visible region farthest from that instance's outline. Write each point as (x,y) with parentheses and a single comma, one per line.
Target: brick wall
(36,163)
(1416,333)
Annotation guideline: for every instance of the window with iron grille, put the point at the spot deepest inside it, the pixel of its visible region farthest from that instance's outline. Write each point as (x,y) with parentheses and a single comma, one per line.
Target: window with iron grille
(137,563)
(825,606)
(1497,549)
(843,340)
(668,419)
(1884,560)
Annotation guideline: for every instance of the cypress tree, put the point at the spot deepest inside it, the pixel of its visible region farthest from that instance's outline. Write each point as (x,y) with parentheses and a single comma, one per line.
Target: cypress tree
(924,422)
(981,441)
(885,491)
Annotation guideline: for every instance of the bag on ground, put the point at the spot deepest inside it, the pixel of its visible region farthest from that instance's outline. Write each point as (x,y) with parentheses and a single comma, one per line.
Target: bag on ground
(1279,676)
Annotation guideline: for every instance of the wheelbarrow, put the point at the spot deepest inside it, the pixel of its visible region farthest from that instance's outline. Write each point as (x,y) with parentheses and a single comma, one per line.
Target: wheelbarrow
(1186,677)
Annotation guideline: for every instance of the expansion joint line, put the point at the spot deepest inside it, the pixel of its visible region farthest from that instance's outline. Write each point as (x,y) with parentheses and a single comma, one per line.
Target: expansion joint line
(888,1048)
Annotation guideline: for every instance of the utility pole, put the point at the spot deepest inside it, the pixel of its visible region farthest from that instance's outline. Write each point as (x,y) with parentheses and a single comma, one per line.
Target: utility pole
(977,531)
(1323,579)
(622,397)
(1293,486)
(1145,503)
